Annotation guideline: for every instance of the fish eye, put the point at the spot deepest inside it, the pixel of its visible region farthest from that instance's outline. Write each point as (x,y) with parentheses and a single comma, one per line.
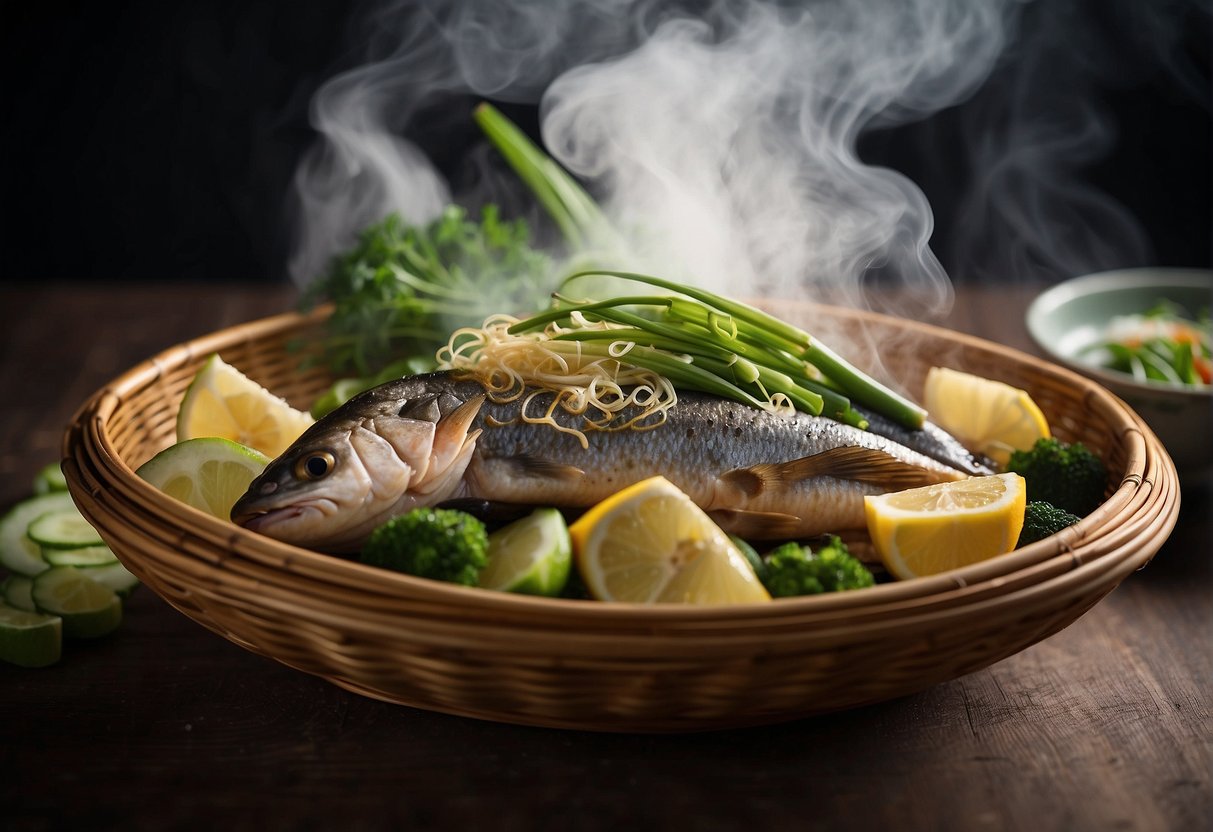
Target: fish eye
(314,465)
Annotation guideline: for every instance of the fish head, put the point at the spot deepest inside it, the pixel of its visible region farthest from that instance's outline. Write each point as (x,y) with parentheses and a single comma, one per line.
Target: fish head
(365,463)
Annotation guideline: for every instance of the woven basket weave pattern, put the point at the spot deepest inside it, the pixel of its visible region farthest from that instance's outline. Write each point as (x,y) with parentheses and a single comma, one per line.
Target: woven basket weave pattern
(599,666)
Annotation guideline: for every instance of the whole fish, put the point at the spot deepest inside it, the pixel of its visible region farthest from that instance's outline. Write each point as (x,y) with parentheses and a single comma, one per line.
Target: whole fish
(433,439)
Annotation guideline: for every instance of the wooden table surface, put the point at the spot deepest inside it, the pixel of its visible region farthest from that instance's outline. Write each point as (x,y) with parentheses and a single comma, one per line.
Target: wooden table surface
(165,725)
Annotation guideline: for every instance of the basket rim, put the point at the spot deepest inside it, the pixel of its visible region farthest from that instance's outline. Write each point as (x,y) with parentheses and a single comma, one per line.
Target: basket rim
(1148,466)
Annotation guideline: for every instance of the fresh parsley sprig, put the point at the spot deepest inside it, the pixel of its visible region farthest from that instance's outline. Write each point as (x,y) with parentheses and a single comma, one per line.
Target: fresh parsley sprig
(402,289)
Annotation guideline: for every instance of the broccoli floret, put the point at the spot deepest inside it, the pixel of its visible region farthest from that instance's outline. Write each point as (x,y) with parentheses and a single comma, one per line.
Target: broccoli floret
(1069,477)
(1041,519)
(793,569)
(438,543)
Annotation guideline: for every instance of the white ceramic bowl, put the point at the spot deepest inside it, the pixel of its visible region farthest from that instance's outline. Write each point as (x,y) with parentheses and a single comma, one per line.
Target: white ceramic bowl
(1071,316)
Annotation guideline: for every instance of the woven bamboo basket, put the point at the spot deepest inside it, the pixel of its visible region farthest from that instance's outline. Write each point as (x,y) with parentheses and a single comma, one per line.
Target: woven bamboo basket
(586,665)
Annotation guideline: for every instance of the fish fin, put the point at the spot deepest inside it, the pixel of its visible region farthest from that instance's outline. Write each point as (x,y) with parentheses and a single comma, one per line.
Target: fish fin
(760,525)
(849,462)
(534,466)
(451,434)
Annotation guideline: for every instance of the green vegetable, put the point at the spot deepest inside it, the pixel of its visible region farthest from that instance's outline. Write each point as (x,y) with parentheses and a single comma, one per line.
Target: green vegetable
(1161,345)
(436,543)
(1069,477)
(1041,519)
(702,341)
(574,211)
(402,289)
(63,529)
(43,539)
(17,552)
(793,569)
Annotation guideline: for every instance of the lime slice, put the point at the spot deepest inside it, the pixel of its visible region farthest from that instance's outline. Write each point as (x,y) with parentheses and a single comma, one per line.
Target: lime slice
(17,551)
(50,479)
(209,474)
(221,401)
(29,639)
(530,556)
(87,608)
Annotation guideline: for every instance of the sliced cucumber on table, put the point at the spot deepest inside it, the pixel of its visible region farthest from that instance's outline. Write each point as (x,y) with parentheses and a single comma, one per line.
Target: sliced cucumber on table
(84,556)
(64,529)
(63,579)
(18,552)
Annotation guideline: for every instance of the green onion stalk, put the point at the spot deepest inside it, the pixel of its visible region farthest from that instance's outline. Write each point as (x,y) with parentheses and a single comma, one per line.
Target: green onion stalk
(755,352)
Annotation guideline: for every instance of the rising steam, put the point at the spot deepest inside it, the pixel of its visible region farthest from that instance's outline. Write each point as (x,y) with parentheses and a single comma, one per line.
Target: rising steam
(722,142)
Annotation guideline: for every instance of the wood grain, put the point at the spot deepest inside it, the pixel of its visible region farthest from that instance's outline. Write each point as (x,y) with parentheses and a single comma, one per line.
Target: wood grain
(1105,725)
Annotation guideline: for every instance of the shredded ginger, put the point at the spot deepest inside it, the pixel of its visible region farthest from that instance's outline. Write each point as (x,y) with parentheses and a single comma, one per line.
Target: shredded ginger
(529,364)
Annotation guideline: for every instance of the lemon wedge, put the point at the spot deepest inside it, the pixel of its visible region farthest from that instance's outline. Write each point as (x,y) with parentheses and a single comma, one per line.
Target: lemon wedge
(928,530)
(221,401)
(208,473)
(650,544)
(987,416)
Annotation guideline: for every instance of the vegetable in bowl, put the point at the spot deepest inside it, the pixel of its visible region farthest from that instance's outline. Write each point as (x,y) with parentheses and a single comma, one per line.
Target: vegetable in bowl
(1070,324)
(1161,344)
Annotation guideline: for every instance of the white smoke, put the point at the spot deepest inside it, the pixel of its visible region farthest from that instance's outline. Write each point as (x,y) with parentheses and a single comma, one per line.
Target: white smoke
(720,136)
(731,141)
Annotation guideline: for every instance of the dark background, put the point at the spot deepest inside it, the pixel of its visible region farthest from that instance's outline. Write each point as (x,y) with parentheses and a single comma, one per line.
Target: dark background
(156,141)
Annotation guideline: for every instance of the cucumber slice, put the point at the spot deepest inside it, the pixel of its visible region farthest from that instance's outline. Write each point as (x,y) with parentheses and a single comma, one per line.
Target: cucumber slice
(17,592)
(85,556)
(29,639)
(66,529)
(17,551)
(88,609)
(114,575)
(50,479)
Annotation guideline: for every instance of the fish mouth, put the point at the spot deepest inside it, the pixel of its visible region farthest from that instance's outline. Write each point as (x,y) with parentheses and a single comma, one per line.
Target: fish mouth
(258,520)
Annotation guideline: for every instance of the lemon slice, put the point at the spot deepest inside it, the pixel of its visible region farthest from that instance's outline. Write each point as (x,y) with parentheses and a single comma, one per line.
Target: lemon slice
(531,556)
(928,530)
(987,416)
(650,544)
(222,401)
(210,474)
